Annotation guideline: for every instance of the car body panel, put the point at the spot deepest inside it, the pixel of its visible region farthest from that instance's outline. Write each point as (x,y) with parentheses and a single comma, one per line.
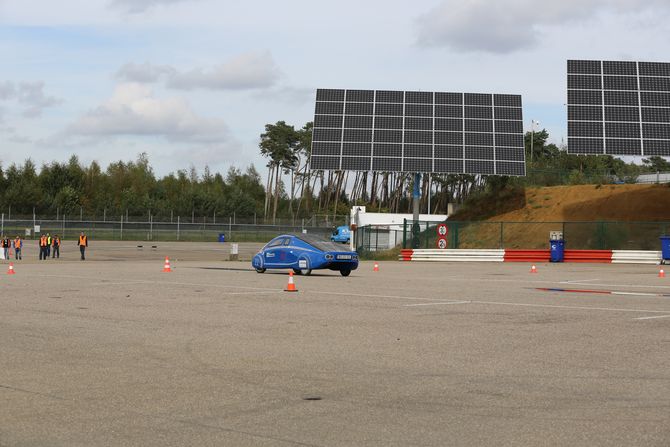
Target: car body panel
(302,252)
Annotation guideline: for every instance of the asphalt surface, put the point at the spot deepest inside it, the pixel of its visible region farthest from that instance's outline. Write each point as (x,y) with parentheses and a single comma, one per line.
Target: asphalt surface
(111,351)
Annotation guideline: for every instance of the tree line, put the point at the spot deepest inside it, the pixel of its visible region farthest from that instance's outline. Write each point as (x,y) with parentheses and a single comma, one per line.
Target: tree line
(290,188)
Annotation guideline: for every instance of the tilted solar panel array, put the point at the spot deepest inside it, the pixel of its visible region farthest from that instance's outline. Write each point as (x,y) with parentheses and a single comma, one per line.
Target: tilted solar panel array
(397,131)
(619,107)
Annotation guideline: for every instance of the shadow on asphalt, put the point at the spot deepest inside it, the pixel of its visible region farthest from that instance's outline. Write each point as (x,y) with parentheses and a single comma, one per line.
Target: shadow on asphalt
(251,270)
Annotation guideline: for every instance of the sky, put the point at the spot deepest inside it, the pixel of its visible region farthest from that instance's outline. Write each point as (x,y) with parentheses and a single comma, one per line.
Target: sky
(192,83)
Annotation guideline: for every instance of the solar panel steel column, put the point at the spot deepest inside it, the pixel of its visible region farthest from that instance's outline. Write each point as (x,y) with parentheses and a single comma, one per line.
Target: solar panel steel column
(416,201)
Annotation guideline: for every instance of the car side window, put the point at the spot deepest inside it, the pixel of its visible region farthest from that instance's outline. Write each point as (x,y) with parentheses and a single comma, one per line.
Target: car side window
(287,241)
(276,243)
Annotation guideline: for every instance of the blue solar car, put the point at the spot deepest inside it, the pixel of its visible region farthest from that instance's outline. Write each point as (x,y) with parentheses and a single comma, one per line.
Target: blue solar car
(304,253)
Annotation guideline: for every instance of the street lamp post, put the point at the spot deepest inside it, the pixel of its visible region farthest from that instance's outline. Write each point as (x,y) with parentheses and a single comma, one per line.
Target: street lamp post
(532,137)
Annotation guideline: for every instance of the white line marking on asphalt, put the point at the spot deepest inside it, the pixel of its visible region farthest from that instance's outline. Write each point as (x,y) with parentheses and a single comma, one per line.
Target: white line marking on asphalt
(642,286)
(615,292)
(555,306)
(540,281)
(438,304)
(651,318)
(579,280)
(363,295)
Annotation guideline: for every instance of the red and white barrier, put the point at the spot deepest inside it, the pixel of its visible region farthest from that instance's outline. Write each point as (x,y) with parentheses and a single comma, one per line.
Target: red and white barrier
(533,256)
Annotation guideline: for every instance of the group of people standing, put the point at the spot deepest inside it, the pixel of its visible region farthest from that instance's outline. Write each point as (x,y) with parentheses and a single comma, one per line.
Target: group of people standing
(16,244)
(49,246)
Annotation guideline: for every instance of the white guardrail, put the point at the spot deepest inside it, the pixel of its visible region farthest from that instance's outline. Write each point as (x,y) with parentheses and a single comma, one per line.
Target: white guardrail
(464,255)
(458,255)
(635,257)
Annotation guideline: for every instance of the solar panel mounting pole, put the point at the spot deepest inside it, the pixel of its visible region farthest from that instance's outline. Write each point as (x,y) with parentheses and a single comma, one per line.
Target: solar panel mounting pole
(416,199)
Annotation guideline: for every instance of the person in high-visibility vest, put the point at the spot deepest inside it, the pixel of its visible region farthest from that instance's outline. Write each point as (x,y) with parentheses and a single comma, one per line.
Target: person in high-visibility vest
(43,247)
(5,247)
(18,244)
(83,243)
(48,245)
(55,244)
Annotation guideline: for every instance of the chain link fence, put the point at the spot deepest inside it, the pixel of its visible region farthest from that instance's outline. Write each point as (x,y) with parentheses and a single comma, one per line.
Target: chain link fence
(535,235)
(156,231)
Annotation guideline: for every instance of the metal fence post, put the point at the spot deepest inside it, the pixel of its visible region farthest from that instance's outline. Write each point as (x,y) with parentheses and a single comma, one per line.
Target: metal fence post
(501,235)
(121,236)
(404,233)
(456,235)
(178,227)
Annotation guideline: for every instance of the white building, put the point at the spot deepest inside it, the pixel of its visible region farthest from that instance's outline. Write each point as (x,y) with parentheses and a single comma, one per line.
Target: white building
(387,228)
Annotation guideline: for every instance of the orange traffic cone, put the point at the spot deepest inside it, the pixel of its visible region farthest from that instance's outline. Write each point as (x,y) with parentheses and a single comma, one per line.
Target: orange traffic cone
(11,269)
(290,287)
(533,269)
(661,273)
(166,267)
(376,267)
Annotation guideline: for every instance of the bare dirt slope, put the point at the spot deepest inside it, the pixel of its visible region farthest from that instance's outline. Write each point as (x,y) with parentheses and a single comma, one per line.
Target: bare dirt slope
(546,209)
(638,203)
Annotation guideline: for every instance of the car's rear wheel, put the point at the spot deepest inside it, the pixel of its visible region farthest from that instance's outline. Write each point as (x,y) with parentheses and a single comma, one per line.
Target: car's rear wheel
(345,272)
(260,270)
(307,272)
(297,271)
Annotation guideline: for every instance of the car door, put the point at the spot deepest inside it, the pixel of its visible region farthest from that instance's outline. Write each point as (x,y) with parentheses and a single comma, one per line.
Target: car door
(272,253)
(285,256)
(291,252)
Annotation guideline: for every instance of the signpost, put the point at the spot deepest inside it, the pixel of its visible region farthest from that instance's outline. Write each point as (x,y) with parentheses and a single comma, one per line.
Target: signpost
(442,233)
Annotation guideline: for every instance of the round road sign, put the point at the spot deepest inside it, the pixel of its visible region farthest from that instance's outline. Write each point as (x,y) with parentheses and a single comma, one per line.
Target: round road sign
(442,243)
(442,230)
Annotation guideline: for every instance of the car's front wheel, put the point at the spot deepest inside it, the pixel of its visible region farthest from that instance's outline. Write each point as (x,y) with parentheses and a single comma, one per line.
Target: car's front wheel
(260,270)
(345,272)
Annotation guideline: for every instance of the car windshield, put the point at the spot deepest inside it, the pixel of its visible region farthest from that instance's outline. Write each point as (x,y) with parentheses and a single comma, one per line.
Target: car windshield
(321,244)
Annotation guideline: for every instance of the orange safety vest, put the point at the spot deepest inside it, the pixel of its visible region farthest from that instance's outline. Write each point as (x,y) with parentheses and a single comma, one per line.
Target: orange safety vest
(17,243)
(43,241)
(56,242)
(83,240)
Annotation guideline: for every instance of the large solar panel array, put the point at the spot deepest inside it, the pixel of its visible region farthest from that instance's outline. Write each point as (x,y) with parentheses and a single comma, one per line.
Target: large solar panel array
(618,108)
(397,131)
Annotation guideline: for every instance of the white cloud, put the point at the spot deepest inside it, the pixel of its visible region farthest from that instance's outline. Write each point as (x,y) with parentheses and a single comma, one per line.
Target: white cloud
(247,71)
(133,110)
(140,6)
(145,73)
(7,90)
(511,25)
(29,95)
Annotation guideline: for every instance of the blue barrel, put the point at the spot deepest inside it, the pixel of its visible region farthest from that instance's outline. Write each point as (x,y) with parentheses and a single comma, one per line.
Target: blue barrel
(222,237)
(557,250)
(665,248)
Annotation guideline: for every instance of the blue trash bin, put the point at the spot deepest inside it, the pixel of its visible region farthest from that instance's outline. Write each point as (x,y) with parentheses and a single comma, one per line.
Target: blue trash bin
(665,248)
(222,237)
(557,250)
